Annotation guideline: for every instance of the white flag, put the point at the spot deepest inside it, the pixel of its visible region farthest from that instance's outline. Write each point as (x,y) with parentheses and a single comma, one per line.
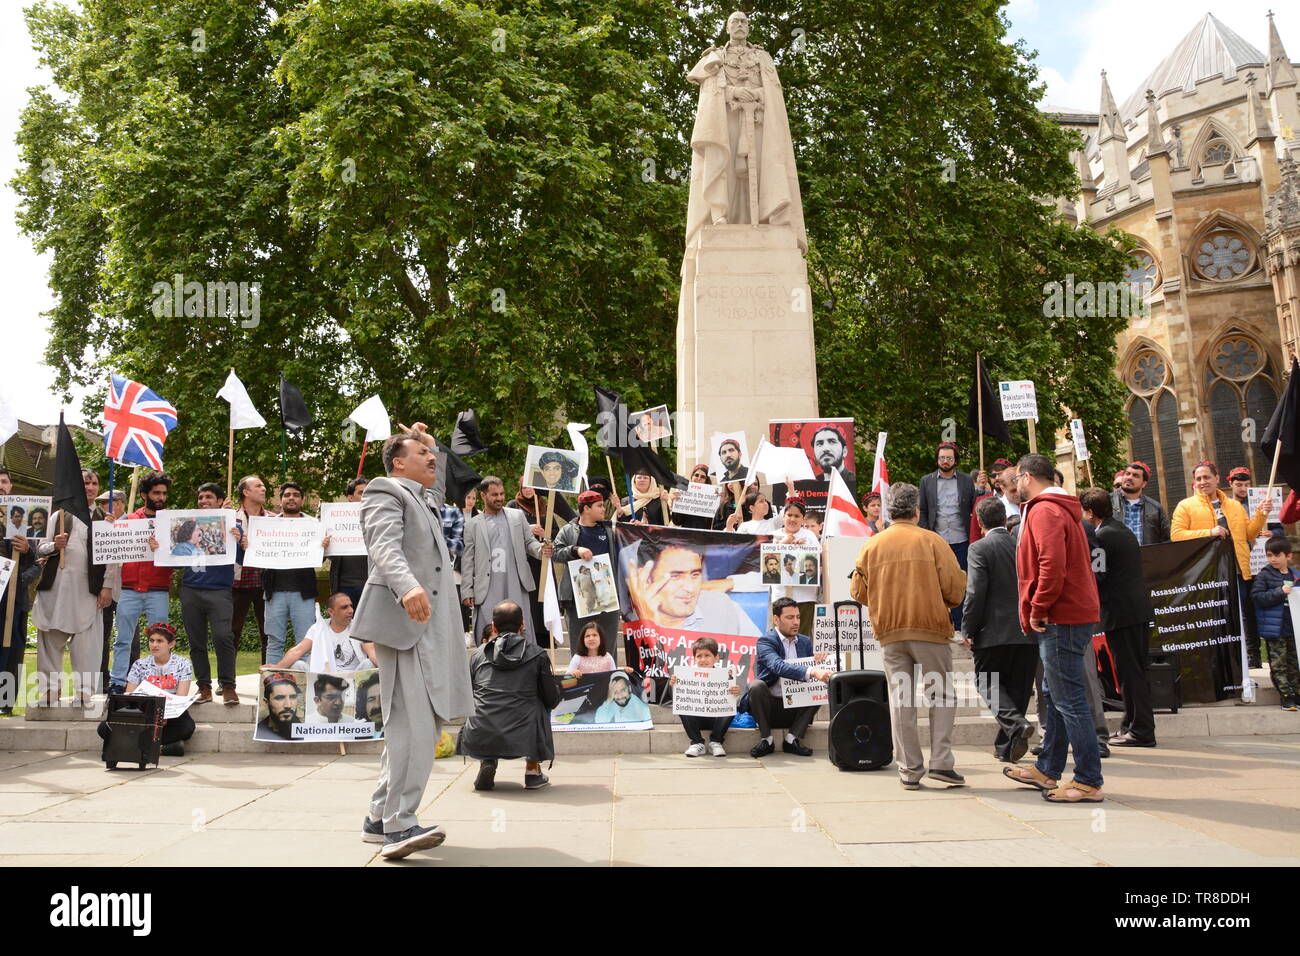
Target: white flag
(777,464)
(551,615)
(242,412)
(579,442)
(373,417)
(8,421)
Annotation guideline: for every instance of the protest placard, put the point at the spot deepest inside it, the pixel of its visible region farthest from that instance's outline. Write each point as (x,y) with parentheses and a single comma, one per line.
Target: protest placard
(804,693)
(702,691)
(871,656)
(651,425)
(173,706)
(7,566)
(25,515)
(828,445)
(1019,402)
(606,701)
(593,586)
(341,521)
(114,542)
(196,538)
(1254,498)
(1080,442)
(699,499)
(280,543)
(300,706)
(553,469)
(785,564)
(729,457)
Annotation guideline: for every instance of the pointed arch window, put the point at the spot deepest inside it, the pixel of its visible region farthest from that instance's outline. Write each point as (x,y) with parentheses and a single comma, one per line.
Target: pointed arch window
(1153,425)
(1241,387)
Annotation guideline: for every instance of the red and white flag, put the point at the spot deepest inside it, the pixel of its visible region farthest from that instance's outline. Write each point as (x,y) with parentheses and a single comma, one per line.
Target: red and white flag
(880,474)
(844,519)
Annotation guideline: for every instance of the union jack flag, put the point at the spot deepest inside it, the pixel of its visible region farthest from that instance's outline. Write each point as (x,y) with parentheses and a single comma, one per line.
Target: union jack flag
(136,423)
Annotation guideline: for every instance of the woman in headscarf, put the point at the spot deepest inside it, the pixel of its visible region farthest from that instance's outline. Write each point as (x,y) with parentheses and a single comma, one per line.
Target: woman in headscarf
(700,474)
(647,500)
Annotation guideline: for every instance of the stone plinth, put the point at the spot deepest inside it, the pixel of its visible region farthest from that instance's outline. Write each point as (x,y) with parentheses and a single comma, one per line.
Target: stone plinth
(744,337)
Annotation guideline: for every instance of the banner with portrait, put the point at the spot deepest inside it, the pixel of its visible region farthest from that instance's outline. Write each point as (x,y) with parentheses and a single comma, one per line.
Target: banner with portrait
(303,706)
(195,538)
(788,564)
(729,457)
(678,584)
(594,592)
(611,700)
(553,469)
(828,443)
(1193,588)
(26,516)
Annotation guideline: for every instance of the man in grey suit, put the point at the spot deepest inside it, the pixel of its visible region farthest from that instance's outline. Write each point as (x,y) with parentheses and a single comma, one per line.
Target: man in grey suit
(408,610)
(1005,658)
(494,565)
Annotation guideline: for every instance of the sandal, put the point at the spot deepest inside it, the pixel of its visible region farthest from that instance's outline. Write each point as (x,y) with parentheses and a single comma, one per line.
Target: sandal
(1030,777)
(1074,792)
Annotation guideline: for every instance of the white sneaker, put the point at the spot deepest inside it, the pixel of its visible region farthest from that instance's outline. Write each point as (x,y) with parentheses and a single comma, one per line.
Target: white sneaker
(716,749)
(695,750)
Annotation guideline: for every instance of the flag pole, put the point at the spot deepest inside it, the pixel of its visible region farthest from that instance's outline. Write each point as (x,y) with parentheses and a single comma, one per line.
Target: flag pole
(11,601)
(613,485)
(546,562)
(1033,436)
(1272,474)
(135,483)
(363,457)
(230,454)
(979,402)
(283,451)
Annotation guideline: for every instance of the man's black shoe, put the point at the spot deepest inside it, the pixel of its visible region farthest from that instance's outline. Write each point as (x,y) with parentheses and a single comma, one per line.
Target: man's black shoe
(487,772)
(1019,745)
(172,750)
(796,748)
(1128,740)
(762,749)
(1103,747)
(403,844)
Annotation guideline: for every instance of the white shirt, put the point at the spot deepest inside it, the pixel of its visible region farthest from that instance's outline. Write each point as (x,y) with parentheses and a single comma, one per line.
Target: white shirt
(334,652)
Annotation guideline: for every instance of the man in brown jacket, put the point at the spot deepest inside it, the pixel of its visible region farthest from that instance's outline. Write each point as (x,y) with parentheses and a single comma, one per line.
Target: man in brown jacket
(908,578)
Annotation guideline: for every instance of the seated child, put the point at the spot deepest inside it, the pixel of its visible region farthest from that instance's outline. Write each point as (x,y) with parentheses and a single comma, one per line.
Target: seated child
(1270,590)
(514,694)
(705,650)
(169,672)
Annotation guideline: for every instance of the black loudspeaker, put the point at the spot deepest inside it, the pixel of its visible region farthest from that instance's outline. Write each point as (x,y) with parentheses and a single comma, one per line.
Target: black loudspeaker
(860,735)
(136,724)
(1166,681)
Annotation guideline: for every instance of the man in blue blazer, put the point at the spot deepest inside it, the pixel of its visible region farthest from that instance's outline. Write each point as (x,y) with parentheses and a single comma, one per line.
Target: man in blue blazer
(776,649)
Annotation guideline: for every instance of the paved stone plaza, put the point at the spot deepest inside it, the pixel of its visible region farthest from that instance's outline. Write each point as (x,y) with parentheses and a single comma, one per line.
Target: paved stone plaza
(1215,801)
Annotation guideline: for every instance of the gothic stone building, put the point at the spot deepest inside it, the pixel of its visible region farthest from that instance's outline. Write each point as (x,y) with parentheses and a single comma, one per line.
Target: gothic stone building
(1199,165)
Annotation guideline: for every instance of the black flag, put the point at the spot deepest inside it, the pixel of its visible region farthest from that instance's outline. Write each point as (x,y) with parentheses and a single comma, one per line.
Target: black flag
(994,426)
(461,478)
(638,459)
(69,492)
(293,408)
(611,421)
(465,437)
(1284,427)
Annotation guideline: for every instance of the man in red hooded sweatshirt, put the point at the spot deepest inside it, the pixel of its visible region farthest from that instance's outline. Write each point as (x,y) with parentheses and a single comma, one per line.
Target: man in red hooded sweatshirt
(1060,606)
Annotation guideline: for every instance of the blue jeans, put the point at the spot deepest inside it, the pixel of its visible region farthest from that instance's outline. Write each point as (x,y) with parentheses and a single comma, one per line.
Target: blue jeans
(1068,715)
(131,606)
(281,608)
(959,550)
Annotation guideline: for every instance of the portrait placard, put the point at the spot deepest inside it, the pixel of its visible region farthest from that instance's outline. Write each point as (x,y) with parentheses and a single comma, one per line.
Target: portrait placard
(195,538)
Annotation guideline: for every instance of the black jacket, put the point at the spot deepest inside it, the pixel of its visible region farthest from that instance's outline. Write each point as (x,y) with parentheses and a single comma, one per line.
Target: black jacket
(991,612)
(930,499)
(514,694)
(1121,585)
(1155,521)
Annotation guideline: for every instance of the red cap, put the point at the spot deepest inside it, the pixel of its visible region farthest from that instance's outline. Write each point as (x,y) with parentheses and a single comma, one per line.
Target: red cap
(1239,473)
(590,497)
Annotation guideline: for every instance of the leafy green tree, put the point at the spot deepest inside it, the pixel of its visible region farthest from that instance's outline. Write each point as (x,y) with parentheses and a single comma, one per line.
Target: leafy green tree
(455,205)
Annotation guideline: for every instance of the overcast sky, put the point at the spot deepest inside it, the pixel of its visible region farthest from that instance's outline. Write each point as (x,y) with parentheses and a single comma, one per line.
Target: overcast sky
(1075,41)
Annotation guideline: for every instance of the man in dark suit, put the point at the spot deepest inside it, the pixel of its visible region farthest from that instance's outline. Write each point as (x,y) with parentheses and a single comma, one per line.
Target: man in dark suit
(1125,616)
(947,499)
(776,649)
(1005,657)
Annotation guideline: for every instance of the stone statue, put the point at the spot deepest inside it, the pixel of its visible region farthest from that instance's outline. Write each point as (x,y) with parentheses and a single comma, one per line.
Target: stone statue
(742,160)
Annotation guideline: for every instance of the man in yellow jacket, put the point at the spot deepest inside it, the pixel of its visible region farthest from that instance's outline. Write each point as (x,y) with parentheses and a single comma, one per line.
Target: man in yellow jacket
(1211,512)
(908,578)
(1214,513)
